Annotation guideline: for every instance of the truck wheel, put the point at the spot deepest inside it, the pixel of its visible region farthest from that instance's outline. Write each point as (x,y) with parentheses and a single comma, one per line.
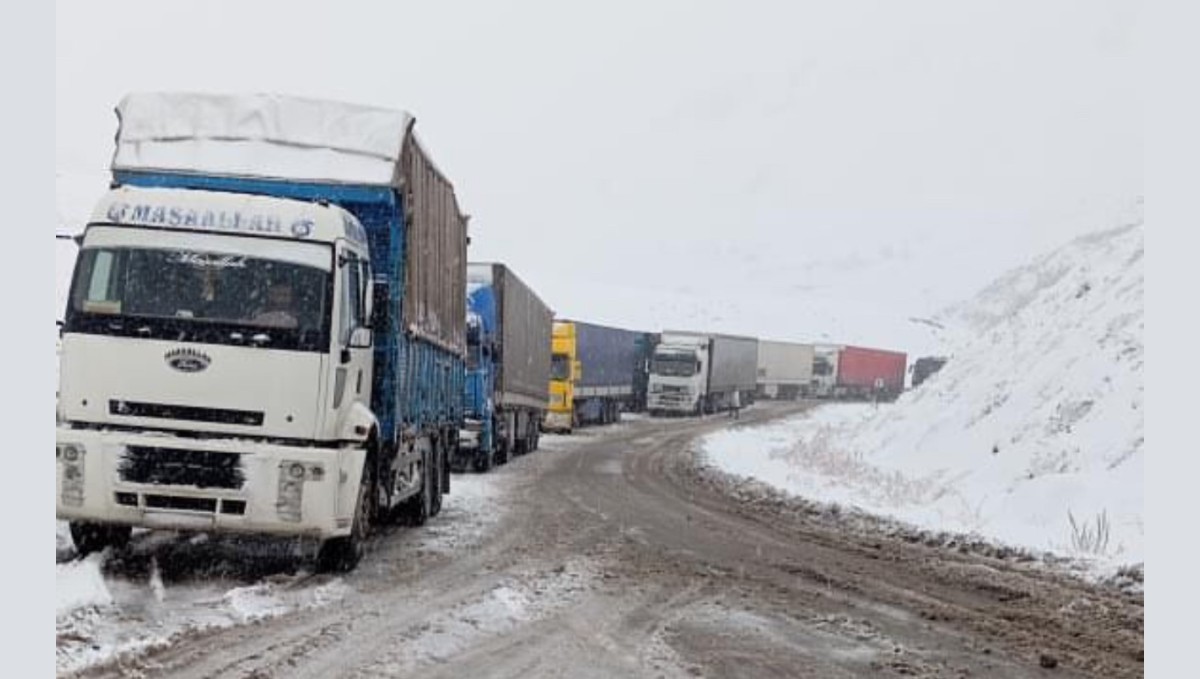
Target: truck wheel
(417,509)
(484,461)
(342,554)
(439,471)
(447,452)
(94,537)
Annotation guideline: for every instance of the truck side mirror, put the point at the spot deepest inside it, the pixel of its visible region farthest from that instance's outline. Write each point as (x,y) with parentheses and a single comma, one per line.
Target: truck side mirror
(78,238)
(576,370)
(368,294)
(368,305)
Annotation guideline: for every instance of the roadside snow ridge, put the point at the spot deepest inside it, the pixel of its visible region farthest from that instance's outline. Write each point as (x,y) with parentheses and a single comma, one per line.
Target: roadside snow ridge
(1032,434)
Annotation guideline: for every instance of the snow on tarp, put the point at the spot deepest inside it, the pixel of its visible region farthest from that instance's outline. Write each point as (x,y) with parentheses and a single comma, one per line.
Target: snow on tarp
(260,135)
(1036,420)
(286,138)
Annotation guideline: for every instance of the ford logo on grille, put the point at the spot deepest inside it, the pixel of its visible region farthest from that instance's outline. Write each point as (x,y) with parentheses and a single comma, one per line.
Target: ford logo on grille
(187,360)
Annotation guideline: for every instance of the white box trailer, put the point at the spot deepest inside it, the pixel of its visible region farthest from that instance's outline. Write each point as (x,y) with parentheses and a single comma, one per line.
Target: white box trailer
(785,369)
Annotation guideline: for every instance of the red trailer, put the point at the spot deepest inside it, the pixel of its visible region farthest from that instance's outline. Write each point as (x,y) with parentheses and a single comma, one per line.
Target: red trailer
(864,373)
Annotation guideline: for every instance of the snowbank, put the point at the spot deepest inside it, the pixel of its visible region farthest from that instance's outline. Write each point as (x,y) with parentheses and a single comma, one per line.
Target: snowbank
(79,584)
(1031,435)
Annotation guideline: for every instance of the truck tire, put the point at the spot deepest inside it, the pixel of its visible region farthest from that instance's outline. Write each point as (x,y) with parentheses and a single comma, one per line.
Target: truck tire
(438,477)
(417,509)
(447,452)
(484,461)
(94,537)
(502,451)
(341,555)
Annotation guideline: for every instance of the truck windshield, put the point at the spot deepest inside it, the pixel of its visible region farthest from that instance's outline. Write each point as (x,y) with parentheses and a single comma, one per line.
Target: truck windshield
(560,367)
(197,296)
(675,365)
(822,367)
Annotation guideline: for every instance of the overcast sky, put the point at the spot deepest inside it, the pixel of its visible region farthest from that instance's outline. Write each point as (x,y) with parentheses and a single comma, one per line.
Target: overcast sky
(792,170)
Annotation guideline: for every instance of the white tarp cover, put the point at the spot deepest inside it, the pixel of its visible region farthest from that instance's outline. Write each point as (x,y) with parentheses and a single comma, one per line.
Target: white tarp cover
(260,135)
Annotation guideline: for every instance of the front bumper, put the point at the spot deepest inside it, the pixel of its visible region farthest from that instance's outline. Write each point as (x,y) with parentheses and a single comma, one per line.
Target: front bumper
(169,482)
(668,401)
(557,421)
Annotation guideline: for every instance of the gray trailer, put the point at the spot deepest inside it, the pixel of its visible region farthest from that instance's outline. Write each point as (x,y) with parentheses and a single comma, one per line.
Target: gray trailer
(525,322)
(508,367)
(734,365)
(785,369)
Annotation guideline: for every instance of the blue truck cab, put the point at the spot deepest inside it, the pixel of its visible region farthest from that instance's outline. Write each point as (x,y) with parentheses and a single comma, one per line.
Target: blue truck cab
(508,368)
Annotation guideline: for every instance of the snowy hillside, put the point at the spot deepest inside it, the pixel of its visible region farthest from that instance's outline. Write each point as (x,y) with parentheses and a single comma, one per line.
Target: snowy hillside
(1032,434)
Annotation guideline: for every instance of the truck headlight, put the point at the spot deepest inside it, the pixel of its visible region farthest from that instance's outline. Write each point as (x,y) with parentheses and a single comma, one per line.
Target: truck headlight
(68,452)
(71,456)
(289,494)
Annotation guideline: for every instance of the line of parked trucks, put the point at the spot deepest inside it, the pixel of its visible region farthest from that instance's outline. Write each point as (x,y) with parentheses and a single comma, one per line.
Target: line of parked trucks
(273,328)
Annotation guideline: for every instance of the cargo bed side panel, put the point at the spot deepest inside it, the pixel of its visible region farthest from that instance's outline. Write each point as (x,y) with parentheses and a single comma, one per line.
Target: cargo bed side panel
(734,364)
(525,326)
(435,278)
(608,356)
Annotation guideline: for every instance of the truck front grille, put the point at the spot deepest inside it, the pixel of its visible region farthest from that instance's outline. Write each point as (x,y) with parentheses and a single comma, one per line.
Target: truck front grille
(180,467)
(189,504)
(165,411)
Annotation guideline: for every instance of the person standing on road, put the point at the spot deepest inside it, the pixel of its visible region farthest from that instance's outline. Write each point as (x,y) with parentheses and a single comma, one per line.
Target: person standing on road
(735,405)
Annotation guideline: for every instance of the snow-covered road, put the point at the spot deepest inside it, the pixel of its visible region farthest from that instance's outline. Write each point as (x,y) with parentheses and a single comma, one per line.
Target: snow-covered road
(166,587)
(605,554)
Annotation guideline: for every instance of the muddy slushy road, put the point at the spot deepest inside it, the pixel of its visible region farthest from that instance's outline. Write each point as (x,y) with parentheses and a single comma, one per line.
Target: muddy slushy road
(614,556)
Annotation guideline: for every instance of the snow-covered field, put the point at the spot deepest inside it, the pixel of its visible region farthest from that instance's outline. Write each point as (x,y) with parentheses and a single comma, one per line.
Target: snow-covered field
(1032,435)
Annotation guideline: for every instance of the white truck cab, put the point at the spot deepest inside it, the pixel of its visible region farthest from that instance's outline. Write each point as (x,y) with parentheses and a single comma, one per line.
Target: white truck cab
(679,375)
(215,367)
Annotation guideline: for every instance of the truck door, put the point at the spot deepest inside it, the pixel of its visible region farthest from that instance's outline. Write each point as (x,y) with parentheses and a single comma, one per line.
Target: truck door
(353,337)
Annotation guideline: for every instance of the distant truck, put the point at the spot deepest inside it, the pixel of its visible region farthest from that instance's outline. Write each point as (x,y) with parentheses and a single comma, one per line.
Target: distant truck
(508,367)
(593,372)
(785,369)
(863,373)
(265,329)
(694,373)
(824,372)
(925,367)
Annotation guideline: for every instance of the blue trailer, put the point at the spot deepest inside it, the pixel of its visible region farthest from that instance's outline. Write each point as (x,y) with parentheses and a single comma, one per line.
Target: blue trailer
(508,367)
(369,396)
(593,374)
